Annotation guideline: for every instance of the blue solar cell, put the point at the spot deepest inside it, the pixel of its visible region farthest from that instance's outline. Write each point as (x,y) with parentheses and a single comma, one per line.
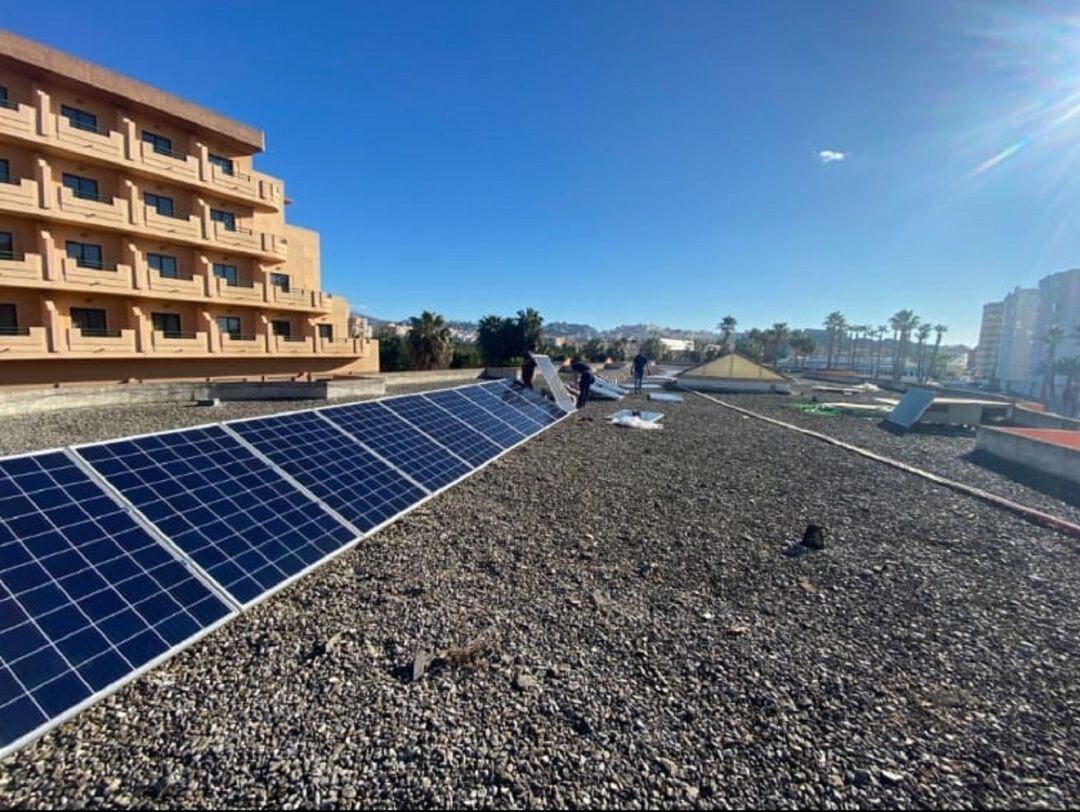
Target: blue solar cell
(68,627)
(495,429)
(399,442)
(490,401)
(444,428)
(550,408)
(243,523)
(346,476)
(511,394)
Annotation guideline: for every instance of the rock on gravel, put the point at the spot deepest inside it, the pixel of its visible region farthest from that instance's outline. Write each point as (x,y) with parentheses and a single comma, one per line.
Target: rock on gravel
(939,671)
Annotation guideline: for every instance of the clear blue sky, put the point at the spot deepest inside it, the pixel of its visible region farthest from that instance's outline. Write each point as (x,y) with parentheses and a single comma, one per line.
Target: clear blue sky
(627,161)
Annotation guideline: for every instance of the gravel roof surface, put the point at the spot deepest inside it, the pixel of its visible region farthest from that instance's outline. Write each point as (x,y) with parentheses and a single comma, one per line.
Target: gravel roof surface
(617,624)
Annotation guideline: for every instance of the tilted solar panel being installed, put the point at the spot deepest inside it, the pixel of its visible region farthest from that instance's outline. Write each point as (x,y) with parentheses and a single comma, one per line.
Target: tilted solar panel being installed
(238,518)
(364,489)
(399,441)
(114,555)
(88,598)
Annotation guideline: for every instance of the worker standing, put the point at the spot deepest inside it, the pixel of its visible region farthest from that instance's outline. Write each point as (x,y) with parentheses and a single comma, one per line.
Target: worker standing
(528,368)
(585,382)
(640,363)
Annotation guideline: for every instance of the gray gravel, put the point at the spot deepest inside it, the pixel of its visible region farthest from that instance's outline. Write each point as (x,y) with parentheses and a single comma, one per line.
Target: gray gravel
(614,621)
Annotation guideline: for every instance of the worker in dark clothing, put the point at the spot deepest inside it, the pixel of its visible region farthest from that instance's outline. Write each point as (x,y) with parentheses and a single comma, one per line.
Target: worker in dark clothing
(585,382)
(640,363)
(528,368)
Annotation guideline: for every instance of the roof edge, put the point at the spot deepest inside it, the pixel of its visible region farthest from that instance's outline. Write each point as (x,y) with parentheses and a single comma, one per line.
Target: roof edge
(72,68)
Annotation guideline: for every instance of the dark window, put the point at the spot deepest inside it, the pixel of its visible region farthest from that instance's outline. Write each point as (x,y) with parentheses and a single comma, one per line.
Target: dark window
(224,164)
(281,327)
(80,119)
(4,98)
(163,264)
(326,331)
(229,325)
(226,218)
(226,272)
(7,245)
(5,171)
(280,280)
(161,144)
(85,188)
(86,255)
(167,323)
(9,321)
(159,203)
(89,321)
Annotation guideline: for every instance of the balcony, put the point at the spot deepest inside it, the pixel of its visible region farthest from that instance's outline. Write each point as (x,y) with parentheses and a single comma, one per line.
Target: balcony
(179,343)
(19,342)
(239,237)
(339,346)
(235,182)
(20,269)
(186,284)
(100,209)
(95,142)
(17,119)
(19,196)
(178,225)
(101,342)
(246,292)
(106,277)
(270,190)
(297,345)
(294,297)
(247,344)
(177,164)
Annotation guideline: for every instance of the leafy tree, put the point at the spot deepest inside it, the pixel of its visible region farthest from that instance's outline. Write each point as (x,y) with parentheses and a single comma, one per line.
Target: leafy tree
(882,331)
(594,350)
(499,340)
(1052,338)
(1070,368)
(393,352)
(835,324)
(465,355)
(753,344)
(727,328)
(616,350)
(653,349)
(940,329)
(428,341)
(530,323)
(775,337)
(802,346)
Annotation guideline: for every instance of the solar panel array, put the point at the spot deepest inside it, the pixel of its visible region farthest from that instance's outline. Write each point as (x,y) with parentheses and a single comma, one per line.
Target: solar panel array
(115,555)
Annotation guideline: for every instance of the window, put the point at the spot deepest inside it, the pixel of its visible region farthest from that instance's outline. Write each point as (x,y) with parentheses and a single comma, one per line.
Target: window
(89,321)
(5,171)
(80,119)
(159,203)
(226,218)
(326,331)
(167,323)
(83,188)
(9,322)
(227,272)
(281,327)
(224,164)
(86,255)
(280,280)
(163,264)
(161,144)
(7,245)
(4,101)
(229,325)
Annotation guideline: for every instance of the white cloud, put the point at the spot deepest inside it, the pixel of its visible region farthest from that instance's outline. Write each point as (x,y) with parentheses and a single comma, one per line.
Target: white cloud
(828,156)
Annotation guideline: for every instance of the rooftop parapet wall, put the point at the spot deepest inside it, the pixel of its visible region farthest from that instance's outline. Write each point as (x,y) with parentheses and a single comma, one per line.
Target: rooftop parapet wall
(57,64)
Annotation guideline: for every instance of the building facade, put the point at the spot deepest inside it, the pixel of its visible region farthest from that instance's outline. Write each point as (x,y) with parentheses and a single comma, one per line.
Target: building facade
(137,240)
(986,354)
(1014,370)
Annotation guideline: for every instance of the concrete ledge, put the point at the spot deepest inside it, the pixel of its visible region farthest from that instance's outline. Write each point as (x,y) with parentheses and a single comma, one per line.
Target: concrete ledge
(1029,418)
(412,377)
(1055,453)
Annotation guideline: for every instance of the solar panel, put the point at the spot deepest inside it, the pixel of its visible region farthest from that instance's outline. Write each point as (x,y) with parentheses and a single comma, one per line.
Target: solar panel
(512,394)
(491,402)
(537,400)
(499,431)
(554,383)
(444,428)
(911,408)
(362,488)
(239,519)
(399,442)
(87,596)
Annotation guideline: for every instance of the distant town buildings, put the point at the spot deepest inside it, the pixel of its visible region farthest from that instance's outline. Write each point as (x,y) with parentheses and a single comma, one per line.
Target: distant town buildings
(985,367)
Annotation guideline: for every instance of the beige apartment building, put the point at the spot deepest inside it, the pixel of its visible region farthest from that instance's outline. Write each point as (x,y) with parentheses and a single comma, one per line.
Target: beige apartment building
(137,240)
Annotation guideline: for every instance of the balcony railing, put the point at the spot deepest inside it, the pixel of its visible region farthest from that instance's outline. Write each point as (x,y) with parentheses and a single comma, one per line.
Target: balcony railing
(89,140)
(100,341)
(294,344)
(239,237)
(102,208)
(339,346)
(17,342)
(18,268)
(176,224)
(241,343)
(173,163)
(17,119)
(96,275)
(233,181)
(175,342)
(19,196)
(240,290)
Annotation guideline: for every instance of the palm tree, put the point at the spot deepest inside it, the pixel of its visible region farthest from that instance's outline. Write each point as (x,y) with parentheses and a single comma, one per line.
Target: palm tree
(922,334)
(1070,368)
(902,323)
(1053,336)
(428,340)
(532,331)
(857,331)
(776,335)
(880,334)
(940,329)
(726,327)
(835,324)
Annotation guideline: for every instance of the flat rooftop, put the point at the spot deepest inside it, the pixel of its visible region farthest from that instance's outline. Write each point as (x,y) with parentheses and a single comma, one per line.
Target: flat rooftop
(40,59)
(618,625)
